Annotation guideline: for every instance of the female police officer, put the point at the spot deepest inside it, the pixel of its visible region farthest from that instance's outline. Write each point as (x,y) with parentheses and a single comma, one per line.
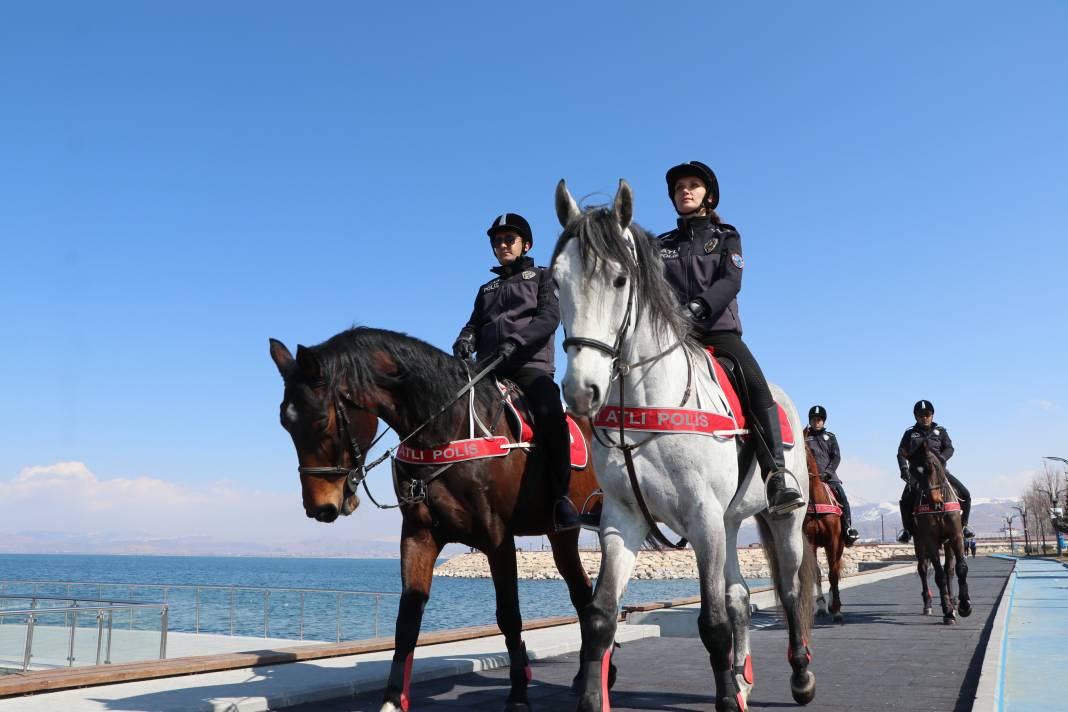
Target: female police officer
(516,315)
(824,447)
(703,263)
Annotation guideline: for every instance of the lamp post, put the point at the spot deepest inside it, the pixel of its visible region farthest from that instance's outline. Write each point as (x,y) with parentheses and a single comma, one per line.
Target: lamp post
(1008,527)
(1055,512)
(1023,518)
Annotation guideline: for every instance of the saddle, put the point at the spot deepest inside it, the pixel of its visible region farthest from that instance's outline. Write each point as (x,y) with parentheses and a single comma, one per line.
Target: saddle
(521,420)
(923,504)
(725,373)
(821,509)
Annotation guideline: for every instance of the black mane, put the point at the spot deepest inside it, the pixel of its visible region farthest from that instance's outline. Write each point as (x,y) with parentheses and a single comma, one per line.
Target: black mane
(600,239)
(424,380)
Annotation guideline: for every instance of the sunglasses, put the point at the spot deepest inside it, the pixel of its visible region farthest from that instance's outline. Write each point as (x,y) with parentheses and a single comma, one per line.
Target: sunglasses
(503,239)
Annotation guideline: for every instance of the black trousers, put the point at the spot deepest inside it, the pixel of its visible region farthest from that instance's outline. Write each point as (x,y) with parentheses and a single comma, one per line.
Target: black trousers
(839,493)
(728,343)
(550,426)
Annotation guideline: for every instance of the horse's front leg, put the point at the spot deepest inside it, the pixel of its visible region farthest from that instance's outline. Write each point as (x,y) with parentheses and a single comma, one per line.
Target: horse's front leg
(569,564)
(622,534)
(419,551)
(737,597)
(821,600)
(965,605)
(835,552)
(921,570)
(941,580)
(509,619)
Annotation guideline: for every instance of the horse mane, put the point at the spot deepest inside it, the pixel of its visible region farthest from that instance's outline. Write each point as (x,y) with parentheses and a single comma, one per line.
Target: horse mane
(424,378)
(600,239)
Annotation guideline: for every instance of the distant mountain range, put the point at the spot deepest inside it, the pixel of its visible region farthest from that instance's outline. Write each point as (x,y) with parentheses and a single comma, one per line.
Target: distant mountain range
(873,521)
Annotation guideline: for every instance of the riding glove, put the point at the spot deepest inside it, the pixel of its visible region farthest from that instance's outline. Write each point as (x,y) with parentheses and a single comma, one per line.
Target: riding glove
(508,348)
(463,348)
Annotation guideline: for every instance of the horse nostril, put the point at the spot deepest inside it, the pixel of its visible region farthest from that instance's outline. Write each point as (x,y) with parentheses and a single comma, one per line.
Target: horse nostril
(326,513)
(595,395)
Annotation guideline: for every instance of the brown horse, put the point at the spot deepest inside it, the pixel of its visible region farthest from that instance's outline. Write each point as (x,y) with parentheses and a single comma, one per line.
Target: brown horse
(938,529)
(824,529)
(336,392)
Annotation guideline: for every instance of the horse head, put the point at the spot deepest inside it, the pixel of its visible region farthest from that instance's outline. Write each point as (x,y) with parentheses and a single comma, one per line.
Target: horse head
(608,273)
(934,473)
(331,430)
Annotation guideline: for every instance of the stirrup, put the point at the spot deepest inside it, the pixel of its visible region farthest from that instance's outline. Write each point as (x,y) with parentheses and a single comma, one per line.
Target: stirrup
(572,519)
(904,537)
(793,503)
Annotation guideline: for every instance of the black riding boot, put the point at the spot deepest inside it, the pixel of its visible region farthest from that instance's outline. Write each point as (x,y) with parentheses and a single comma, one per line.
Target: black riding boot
(782,495)
(565,516)
(906,519)
(851,534)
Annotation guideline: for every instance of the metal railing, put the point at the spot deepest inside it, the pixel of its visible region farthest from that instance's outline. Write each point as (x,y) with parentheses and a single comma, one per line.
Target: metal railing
(198,589)
(105,619)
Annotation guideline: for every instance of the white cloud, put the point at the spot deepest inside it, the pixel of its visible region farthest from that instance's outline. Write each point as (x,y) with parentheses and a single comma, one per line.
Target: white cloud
(1046,405)
(69,497)
(867,484)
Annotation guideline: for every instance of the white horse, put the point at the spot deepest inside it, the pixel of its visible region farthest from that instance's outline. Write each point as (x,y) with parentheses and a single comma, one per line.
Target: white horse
(624,331)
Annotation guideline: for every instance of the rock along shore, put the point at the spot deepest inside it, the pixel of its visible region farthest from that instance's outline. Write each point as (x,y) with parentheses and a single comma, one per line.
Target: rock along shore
(672,564)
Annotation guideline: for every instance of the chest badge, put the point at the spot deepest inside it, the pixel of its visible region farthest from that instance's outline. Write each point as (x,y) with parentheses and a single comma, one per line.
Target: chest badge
(711,245)
(826,437)
(529,274)
(936,431)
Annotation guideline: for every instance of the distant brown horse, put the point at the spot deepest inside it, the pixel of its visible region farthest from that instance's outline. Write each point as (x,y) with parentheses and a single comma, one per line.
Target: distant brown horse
(334,395)
(823,527)
(938,529)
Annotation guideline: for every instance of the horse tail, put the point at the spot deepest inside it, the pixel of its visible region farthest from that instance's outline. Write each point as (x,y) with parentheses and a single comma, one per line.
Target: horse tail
(806,575)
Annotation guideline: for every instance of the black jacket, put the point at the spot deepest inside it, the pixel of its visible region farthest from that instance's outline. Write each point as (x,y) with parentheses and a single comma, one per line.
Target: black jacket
(824,447)
(704,260)
(912,442)
(520,305)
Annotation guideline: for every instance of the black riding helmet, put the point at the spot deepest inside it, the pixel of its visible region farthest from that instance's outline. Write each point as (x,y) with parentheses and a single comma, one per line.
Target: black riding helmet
(697,170)
(514,222)
(817,411)
(921,406)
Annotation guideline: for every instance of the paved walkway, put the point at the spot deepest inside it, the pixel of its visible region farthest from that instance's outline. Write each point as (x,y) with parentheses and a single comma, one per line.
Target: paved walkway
(1036,645)
(886,656)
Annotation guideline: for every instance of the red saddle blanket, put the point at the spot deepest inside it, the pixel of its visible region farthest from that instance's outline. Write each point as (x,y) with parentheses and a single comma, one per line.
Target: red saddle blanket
(735,403)
(520,415)
(832,508)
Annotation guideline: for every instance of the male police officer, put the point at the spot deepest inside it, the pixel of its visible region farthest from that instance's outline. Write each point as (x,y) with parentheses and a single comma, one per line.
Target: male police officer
(824,447)
(516,316)
(937,439)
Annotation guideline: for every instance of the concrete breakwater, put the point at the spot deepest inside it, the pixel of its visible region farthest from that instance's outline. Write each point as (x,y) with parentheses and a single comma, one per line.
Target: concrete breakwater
(670,564)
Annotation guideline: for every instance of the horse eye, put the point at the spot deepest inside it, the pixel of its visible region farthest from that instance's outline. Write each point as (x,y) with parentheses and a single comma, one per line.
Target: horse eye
(619,281)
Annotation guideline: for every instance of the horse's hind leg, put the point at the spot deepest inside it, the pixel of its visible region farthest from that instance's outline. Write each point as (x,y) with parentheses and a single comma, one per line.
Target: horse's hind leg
(793,568)
(569,564)
(510,621)
(622,534)
(965,606)
(737,591)
(419,551)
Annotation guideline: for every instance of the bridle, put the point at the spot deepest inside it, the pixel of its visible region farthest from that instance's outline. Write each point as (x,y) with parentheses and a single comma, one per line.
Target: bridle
(358,472)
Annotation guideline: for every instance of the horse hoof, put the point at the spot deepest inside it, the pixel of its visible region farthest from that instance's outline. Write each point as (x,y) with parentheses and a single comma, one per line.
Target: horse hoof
(965,609)
(611,675)
(949,620)
(837,618)
(390,707)
(927,610)
(820,613)
(517,707)
(803,687)
(590,703)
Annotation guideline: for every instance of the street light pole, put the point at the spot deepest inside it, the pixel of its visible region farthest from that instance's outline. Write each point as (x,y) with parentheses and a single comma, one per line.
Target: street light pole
(1055,516)
(1023,517)
(1008,527)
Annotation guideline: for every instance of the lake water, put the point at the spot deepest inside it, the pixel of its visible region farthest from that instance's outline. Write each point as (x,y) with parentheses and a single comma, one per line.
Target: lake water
(454,602)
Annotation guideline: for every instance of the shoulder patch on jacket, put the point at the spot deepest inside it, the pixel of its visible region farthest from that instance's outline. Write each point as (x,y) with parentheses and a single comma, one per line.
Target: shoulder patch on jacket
(737,260)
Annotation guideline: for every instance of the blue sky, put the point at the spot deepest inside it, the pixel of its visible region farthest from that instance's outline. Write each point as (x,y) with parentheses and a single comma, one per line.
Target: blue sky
(180,182)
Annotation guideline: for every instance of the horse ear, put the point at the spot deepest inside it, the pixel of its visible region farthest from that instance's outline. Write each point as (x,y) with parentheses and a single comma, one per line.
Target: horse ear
(282,358)
(566,207)
(624,207)
(309,363)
